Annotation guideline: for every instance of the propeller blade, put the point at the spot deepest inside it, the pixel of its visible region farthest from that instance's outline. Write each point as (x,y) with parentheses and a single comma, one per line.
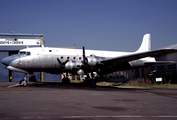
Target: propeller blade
(83,54)
(65,62)
(62,64)
(59,61)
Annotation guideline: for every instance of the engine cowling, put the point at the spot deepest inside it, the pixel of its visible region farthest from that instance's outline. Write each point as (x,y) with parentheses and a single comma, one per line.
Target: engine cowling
(93,60)
(72,64)
(80,72)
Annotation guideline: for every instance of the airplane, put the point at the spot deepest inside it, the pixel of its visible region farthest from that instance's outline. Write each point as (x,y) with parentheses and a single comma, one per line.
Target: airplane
(80,61)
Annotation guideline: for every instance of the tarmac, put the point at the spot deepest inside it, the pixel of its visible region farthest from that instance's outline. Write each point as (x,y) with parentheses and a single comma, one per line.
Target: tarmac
(53,100)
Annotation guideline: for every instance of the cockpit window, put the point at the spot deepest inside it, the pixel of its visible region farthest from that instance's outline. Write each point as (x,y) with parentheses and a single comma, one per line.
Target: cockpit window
(28,53)
(24,53)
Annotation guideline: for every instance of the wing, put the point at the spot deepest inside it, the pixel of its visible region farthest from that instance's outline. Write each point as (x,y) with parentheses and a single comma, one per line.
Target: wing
(123,62)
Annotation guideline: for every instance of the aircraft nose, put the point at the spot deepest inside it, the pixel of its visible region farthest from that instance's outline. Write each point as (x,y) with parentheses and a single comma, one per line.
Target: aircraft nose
(6,61)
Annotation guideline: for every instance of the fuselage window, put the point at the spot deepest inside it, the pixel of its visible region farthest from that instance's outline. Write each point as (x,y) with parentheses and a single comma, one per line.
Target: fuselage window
(68,58)
(61,57)
(50,50)
(79,58)
(74,58)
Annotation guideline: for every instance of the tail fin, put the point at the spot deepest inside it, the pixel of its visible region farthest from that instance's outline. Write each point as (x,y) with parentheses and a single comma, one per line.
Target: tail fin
(146,43)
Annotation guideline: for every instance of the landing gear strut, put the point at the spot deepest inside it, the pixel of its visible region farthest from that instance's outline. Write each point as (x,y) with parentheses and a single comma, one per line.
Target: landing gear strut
(93,81)
(24,82)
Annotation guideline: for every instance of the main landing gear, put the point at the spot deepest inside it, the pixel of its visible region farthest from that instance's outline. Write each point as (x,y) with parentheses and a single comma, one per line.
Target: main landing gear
(92,81)
(66,80)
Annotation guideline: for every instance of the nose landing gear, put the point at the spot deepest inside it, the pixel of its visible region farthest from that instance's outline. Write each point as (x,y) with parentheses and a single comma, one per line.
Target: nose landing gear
(24,82)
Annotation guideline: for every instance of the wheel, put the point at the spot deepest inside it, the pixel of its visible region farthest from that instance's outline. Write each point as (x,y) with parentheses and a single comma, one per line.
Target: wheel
(23,83)
(32,79)
(93,83)
(66,80)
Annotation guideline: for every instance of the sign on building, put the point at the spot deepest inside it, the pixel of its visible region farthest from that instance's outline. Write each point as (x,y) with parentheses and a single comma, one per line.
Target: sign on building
(19,42)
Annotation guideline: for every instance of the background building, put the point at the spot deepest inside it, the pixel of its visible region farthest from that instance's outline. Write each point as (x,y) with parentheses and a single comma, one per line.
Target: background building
(168,72)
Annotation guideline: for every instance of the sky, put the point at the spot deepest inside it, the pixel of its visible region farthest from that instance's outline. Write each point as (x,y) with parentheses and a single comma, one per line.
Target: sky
(115,25)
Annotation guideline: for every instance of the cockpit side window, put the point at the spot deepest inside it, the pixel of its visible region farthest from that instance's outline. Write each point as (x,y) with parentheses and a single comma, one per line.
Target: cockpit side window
(28,53)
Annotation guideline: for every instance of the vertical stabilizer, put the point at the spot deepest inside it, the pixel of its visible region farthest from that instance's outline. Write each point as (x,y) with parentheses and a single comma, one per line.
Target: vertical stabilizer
(146,43)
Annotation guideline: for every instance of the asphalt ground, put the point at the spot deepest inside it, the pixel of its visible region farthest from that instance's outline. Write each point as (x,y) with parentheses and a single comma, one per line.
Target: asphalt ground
(48,101)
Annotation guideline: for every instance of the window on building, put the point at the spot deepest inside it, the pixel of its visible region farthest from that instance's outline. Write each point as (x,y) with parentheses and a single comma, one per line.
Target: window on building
(172,68)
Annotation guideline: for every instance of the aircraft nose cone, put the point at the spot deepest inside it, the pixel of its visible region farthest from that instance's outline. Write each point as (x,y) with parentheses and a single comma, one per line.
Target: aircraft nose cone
(5,61)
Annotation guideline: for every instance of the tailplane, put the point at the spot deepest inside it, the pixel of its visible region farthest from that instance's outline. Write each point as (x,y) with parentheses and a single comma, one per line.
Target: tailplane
(146,44)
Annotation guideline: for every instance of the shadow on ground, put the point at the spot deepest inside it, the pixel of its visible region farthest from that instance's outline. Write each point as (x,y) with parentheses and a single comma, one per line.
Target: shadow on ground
(80,85)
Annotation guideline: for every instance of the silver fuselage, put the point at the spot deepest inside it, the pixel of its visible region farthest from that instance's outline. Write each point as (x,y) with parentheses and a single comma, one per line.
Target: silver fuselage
(47,59)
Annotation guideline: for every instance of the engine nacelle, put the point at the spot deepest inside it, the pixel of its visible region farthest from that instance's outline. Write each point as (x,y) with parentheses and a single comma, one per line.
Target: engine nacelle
(72,64)
(93,60)
(80,72)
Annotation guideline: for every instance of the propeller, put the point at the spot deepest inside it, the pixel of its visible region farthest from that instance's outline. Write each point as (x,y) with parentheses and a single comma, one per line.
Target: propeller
(87,67)
(62,64)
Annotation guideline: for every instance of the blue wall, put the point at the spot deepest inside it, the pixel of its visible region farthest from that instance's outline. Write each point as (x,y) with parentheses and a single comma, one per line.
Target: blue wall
(51,77)
(3,71)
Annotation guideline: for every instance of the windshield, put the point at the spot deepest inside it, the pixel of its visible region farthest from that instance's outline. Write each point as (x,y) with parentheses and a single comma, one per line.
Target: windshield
(24,53)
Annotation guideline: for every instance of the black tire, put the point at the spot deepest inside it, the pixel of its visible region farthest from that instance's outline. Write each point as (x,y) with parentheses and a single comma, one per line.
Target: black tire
(93,83)
(66,81)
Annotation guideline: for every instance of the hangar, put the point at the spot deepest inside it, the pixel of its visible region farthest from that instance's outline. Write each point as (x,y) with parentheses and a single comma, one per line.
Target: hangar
(11,43)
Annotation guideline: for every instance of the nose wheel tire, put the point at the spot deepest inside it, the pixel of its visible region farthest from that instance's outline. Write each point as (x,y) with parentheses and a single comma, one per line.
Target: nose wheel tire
(23,83)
